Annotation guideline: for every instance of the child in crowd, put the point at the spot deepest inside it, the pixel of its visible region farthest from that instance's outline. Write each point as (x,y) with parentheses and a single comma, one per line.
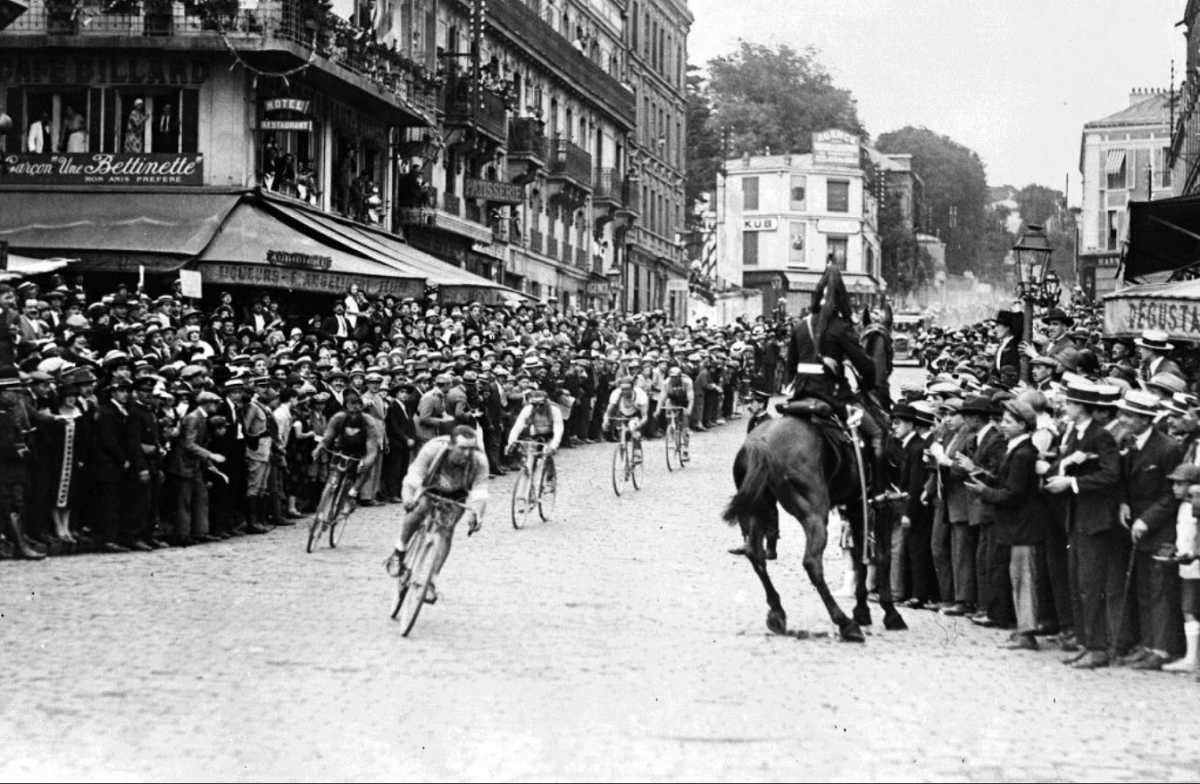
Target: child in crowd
(1185,484)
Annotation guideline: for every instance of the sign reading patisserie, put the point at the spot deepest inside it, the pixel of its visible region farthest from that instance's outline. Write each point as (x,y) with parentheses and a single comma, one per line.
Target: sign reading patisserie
(103,168)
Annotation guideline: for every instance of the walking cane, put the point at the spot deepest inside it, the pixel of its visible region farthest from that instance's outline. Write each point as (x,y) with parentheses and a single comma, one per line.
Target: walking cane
(1116,634)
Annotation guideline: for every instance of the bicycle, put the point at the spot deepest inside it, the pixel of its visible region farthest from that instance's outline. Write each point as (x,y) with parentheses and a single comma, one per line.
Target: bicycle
(331,513)
(678,438)
(627,459)
(526,493)
(425,550)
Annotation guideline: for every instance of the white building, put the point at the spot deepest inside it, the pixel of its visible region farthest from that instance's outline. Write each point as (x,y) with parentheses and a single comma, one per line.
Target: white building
(781,218)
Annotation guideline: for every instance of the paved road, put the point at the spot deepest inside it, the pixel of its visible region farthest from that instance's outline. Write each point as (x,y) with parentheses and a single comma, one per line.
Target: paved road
(618,641)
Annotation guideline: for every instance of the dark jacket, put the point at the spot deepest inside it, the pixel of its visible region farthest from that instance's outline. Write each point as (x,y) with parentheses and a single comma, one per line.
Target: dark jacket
(1095,508)
(989,454)
(1148,491)
(838,343)
(913,474)
(113,454)
(1022,514)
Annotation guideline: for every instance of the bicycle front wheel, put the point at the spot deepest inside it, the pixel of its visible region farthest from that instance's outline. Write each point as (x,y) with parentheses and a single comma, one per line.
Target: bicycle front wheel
(547,489)
(337,528)
(685,455)
(620,473)
(672,444)
(520,499)
(414,583)
(323,513)
(637,466)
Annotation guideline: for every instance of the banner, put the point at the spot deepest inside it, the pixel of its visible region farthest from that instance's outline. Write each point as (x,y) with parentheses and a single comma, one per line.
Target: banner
(191,284)
(309,280)
(104,168)
(1180,318)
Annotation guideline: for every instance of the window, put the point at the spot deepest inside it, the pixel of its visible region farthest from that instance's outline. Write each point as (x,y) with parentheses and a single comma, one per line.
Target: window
(1115,170)
(749,193)
(1114,229)
(796,231)
(749,248)
(799,195)
(838,196)
(837,251)
(1161,168)
(104,119)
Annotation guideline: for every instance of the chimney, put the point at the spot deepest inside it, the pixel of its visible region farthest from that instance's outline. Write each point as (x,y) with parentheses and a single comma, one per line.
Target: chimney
(1139,94)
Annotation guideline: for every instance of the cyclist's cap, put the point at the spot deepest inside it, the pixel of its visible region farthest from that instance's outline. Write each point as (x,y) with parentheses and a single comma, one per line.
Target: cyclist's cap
(674,371)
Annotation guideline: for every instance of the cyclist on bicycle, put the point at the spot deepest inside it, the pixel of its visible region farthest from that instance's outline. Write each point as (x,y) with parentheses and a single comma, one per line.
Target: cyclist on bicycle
(453,467)
(354,434)
(677,394)
(629,402)
(539,421)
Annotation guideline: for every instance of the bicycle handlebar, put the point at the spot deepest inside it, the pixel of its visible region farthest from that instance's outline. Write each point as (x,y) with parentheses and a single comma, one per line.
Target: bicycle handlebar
(350,458)
(531,445)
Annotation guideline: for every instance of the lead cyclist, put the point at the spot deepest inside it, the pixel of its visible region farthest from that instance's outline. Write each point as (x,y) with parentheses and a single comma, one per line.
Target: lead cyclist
(629,402)
(454,467)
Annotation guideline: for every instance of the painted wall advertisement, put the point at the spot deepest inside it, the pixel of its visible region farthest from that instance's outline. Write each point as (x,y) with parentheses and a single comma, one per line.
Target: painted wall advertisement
(104,168)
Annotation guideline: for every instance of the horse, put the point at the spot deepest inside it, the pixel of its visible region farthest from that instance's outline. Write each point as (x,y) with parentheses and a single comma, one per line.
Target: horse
(789,461)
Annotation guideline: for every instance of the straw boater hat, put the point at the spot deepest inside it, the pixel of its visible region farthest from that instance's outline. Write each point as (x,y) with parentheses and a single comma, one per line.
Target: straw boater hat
(1081,392)
(1141,403)
(1155,340)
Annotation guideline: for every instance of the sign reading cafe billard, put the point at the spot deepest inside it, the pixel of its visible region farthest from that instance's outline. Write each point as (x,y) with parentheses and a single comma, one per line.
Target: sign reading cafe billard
(104,168)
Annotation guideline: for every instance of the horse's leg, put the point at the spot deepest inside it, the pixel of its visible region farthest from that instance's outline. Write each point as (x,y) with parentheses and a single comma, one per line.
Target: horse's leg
(862,610)
(776,617)
(814,549)
(892,621)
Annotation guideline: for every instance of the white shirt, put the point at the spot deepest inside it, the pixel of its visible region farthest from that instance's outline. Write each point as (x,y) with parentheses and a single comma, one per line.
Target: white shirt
(1015,442)
(37,137)
(1141,440)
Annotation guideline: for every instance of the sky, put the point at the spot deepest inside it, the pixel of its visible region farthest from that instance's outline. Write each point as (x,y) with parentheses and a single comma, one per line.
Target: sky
(1015,81)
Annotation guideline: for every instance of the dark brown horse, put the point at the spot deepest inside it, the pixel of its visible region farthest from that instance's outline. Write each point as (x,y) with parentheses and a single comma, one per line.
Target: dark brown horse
(788,461)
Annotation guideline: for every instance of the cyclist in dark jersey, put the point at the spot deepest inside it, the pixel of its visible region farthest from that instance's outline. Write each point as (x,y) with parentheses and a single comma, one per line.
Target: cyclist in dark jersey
(352,433)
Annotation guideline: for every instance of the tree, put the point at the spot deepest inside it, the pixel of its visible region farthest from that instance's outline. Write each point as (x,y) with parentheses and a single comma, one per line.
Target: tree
(1038,204)
(956,195)
(905,265)
(765,99)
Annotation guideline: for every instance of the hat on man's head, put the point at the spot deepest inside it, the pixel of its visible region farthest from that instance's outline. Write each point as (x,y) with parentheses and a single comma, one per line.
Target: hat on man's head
(1141,403)
(1059,315)
(1080,391)
(1168,382)
(1155,340)
(10,377)
(1107,395)
(1022,411)
(207,397)
(978,405)
(1185,472)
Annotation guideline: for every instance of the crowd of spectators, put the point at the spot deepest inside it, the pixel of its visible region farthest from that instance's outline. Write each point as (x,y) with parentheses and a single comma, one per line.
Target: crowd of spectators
(1062,507)
(131,422)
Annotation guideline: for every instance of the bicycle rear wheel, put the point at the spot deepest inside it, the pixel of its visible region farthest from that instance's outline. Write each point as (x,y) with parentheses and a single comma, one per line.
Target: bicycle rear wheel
(547,489)
(620,474)
(338,527)
(328,497)
(672,444)
(637,468)
(520,498)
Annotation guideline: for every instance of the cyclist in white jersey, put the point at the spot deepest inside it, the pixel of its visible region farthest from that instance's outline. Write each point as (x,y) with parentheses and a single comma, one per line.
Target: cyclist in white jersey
(630,402)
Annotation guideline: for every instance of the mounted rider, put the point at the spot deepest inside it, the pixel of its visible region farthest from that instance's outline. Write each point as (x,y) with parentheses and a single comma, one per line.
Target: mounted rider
(822,347)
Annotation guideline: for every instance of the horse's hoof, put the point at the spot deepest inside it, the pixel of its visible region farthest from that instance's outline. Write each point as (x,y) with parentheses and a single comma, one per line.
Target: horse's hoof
(894,623)
(851,633)
(777,621)
(862,616)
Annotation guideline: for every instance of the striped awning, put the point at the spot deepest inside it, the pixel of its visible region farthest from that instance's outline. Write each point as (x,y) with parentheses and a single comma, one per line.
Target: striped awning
(1116,159)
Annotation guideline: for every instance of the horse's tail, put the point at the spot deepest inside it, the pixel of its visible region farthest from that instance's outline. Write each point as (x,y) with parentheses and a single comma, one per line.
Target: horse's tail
(754,456)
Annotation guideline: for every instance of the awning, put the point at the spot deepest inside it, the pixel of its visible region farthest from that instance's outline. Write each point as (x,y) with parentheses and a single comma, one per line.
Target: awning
(1116,159)
(1164,236)
(256,248)
(24,267)
(178,224)
(1171,307)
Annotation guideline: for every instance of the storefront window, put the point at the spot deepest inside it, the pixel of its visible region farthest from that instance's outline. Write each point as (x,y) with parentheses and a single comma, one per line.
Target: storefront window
(103,119)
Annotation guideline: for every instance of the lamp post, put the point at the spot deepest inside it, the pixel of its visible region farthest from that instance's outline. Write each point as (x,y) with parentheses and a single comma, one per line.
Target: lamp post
(1034,282)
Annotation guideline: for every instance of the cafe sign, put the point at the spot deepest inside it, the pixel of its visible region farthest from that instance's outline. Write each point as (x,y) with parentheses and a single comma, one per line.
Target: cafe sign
(103,168)
(496,192)
(318,281)
(279,258)
(1131,315)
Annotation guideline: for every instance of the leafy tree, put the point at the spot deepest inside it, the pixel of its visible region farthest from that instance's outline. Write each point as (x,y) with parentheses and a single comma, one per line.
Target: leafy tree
(905,265)
(765,99)
(956,194)
(1039,204)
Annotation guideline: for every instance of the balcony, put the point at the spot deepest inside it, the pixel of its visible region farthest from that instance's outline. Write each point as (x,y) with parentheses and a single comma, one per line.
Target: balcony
(569,181)
(444,218)
(536,241)
(483,112)
(608,188)
(526,149)
(552,247)
(631,200)
(273,35)
(452,204)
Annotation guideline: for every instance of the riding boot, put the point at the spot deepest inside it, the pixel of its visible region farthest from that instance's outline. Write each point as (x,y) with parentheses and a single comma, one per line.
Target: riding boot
(25,548)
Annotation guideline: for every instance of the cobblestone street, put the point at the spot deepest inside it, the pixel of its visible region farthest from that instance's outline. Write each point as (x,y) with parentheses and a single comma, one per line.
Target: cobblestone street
(618,641)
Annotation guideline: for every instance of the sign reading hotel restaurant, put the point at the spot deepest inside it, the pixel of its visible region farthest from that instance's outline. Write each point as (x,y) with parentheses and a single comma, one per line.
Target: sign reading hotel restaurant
(1180,318)
(27,69)
(760,224)
(278,258)
(489,190)
(286,125)
(298,105)
(309,280)
(104,168)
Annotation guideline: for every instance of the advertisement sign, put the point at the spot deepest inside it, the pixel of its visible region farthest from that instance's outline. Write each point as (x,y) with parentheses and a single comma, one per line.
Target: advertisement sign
(496,192)
(31,69)
(1180,318)
(760,224)
(104,168)
(191,284)
(309,280)
(286,125)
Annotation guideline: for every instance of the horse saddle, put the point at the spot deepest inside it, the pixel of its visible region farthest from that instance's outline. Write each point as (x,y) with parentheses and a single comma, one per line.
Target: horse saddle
(821,414)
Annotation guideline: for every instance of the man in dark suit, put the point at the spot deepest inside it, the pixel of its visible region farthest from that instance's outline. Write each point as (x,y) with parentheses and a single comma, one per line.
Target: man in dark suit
(400,438)
(494,399)
(337,327)
(1153,347)
(233,446)
(112,460)
(146,470)
(990,558)
(1146,464)
(1008,332)
(912,424)
(1088,473)
(188,460)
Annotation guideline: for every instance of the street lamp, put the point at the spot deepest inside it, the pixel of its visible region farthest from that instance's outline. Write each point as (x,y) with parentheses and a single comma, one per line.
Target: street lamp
(1034,282)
